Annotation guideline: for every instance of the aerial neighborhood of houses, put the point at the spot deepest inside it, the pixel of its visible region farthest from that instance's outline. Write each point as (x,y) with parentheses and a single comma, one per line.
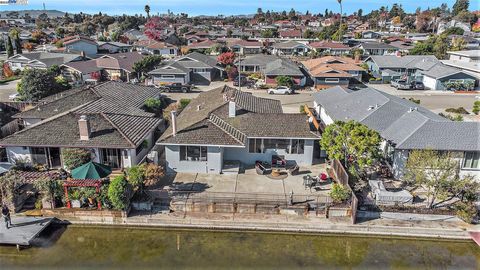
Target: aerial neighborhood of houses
(346,112)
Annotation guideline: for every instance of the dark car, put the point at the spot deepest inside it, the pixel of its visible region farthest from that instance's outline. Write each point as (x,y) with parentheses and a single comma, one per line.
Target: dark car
(176,87)
(418,86)
(242,80)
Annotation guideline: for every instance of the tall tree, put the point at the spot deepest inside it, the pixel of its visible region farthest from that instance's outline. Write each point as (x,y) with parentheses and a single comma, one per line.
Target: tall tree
(459,6)
(340,36)
(351,142)
(147,10)
(438,173)
(9,47)
(360,13)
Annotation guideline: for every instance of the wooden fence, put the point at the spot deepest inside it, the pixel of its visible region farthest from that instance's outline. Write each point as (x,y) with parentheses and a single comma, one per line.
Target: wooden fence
(16,106)
(341,176)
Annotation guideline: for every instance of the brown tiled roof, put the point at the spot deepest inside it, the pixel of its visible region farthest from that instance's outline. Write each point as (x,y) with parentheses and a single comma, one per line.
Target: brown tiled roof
(329,45)
(119,60)
(116,115)
(290,33)
(205,120)
(331,66)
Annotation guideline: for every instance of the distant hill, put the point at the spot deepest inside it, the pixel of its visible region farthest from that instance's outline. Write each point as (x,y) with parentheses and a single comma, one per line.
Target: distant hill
(34,13)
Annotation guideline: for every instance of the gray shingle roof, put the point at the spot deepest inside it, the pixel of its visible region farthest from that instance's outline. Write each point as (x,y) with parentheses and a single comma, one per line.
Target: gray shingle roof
(400,121)
(283,67)
(440,70)
(372,45)
(288,44)
(392,61)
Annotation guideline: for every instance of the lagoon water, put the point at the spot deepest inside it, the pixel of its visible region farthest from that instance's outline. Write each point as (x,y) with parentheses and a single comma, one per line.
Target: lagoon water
(80,247)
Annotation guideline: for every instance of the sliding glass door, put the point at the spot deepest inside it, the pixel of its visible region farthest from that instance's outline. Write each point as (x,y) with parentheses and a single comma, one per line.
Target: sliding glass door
(111,157)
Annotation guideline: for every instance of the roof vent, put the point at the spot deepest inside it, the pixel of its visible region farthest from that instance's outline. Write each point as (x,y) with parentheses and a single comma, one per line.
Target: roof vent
(412,109)
(371,108)
(199,108)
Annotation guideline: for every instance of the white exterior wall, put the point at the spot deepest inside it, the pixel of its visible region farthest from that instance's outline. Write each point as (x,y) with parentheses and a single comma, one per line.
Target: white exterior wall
(325,117)
(430,82)
(213,164)
(399,161)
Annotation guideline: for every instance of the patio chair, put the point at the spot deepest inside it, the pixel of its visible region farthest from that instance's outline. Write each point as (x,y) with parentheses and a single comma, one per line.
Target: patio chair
(294,169)
(260,168)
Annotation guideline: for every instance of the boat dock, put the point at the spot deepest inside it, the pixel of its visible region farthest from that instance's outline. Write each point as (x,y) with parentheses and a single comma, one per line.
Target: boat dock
(23,230)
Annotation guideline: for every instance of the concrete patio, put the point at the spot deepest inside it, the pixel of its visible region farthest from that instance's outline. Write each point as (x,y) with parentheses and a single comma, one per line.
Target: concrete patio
(248,183)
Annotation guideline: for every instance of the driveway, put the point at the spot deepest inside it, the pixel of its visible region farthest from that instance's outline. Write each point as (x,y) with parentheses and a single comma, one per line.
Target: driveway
(434,100)
(7,89)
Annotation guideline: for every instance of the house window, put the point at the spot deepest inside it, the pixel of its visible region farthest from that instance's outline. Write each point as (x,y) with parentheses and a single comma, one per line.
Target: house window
(298,146)
(168,76)
(3,155)
(193,153)
(332,80)
(276,144)
(255,146)
(172,51)
(39,155)
(471,160)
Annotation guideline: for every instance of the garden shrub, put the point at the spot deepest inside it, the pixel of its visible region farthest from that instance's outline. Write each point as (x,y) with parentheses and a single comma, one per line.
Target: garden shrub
(339,193)
(459,110)
(117,193)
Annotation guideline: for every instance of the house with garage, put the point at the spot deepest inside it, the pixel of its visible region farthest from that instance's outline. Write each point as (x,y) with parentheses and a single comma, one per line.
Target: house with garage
(80,43)
(377,48)
(329,71)
(193,68)
(330,48)
(156,47)
(391,67)
(245,47)
(443,77)
(403,125)
(117,66)
(113,47)
(225,129)
(290,48)
(41,60)
(109,120)
(284,67)
(255,63)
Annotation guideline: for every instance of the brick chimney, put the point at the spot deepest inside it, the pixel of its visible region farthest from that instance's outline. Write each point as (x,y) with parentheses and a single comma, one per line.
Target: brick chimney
(232,110)
(84,128)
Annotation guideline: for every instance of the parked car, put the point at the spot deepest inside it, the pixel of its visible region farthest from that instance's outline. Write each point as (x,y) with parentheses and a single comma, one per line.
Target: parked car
(280,90)
(400,84)
(417,86)
(242,80)
(176,87)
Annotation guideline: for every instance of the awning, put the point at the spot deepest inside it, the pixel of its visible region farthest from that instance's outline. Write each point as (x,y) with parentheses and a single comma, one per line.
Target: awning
(91,170)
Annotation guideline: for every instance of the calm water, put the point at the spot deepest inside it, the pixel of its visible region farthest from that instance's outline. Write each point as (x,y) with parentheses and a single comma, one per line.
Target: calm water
(117,247)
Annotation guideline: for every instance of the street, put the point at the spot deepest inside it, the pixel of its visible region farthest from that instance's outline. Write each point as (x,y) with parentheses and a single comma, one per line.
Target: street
(7,89)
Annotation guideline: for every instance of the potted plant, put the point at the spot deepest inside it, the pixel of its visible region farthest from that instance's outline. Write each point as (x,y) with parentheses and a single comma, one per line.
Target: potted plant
(74,197)
(91,196)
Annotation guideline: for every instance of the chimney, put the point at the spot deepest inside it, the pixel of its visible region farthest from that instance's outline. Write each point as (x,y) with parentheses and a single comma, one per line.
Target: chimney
(174,123)
(232,110)
(82,54)
(84,128)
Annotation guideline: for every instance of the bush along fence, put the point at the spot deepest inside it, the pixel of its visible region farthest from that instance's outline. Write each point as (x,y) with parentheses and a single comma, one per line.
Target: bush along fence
(340,175)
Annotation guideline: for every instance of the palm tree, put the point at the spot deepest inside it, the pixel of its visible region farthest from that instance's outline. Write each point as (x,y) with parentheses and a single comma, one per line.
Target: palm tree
(147,10)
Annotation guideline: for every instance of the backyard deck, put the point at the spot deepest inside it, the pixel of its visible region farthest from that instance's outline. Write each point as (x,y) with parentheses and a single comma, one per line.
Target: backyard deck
(23,230)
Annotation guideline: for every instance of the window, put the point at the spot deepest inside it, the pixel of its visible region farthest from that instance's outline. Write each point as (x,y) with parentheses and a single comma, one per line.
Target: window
(3,155)
(471,160)
(332,80)
(255,146)
(168,76)
(298,146)
(172,51)
(39,155)
(276,144)
(193,153)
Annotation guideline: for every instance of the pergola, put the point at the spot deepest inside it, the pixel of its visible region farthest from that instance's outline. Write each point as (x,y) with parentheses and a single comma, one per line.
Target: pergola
(96,183)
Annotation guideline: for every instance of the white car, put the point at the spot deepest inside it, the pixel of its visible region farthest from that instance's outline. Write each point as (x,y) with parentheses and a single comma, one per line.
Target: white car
(14,96)
(280,90)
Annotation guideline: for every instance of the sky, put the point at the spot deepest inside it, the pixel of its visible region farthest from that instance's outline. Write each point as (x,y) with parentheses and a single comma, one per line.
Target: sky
(225,7)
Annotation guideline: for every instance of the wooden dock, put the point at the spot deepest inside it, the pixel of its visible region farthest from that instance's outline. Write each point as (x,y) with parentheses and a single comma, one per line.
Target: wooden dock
(23,230)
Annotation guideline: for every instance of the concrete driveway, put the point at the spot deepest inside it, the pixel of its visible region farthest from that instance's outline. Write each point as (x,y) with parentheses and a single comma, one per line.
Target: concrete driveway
(7,89)
(434,100)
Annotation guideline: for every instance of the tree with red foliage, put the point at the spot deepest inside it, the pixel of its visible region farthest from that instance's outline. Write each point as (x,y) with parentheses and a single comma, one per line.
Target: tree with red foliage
(226,58)
(124,39)
(153,29)
(7,71)
(96,75)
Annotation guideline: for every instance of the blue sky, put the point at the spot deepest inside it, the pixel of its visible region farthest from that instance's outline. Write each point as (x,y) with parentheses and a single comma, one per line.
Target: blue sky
(214,7)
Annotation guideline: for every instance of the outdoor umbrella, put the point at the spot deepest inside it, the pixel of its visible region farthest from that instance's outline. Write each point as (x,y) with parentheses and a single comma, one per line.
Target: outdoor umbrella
(91,170)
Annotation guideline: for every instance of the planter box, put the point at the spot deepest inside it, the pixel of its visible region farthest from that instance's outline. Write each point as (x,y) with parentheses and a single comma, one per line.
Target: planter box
(75,203)
(338,212)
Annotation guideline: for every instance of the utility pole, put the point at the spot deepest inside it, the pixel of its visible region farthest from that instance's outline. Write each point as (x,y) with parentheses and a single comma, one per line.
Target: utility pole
(239,70)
